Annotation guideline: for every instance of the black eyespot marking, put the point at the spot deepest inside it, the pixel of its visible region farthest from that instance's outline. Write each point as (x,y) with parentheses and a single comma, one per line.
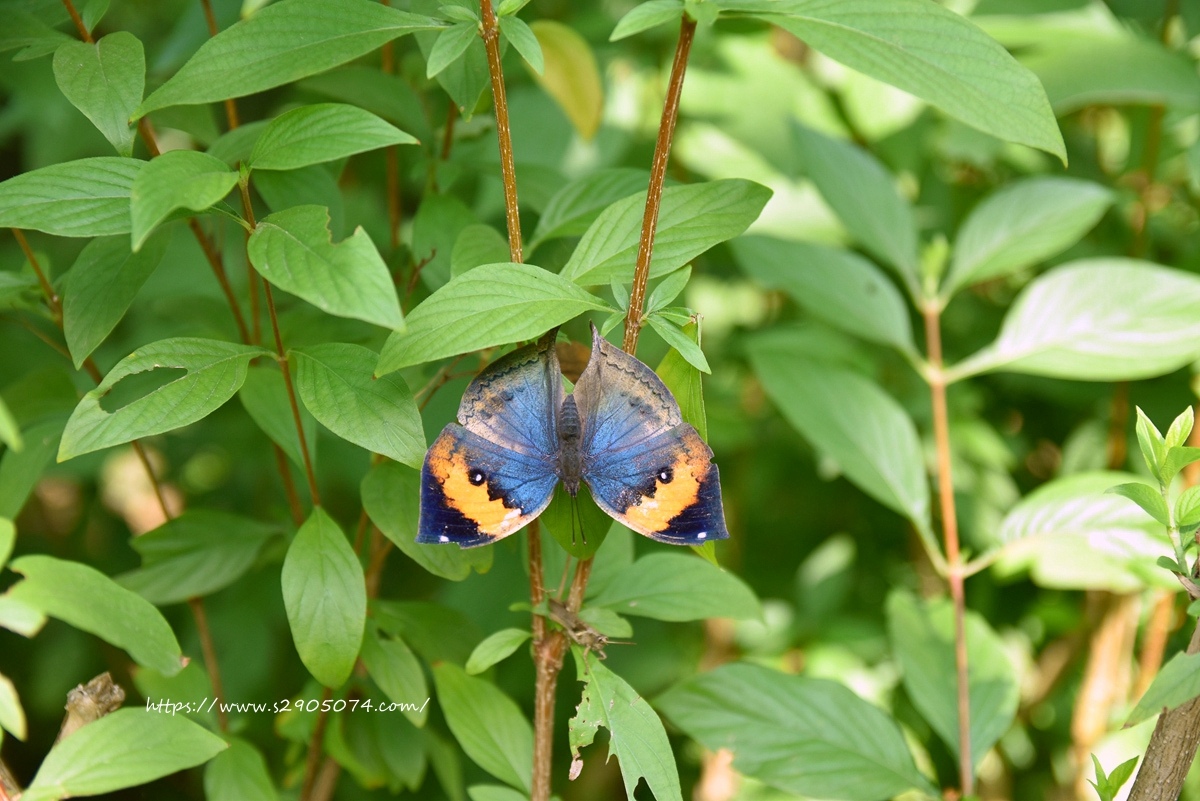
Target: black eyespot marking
(666,475)
(506,394)
(476,477)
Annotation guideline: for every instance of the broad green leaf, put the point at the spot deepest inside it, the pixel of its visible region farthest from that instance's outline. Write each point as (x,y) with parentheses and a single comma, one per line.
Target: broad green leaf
(178,179)
(1177,683)
(1187,508)
(491,305)
(833,285)
(284,42)
(636,735)
(322,132)
(864,196)
(1098,320)
(396,670)
(487,724)
(570,76)
(476,245)
(1023,224)
(386,95)
(100,287)
(88,197)
(326,599)
(576,206)
(239,772)
(215,371)
(496,648)
(922,635)
(691,220)
(8,537)
(808,736)
(1180,428)
(684,381)
(21,470)
(265,398)
(450,45)
(28,34)
(522,39)
(89,600)
(124,749)
(933,53)
(390,494)
(853,421)
(12,716)
(194,555)
(10,433)
(294,250)
(684,345)
(336,384)
(1147,497)
(645,16)
(675,586)
(1177,459)
(105,81)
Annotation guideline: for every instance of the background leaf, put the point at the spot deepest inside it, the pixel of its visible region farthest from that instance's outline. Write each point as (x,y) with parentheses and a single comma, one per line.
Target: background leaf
(105,81)
(265,397)
(496,648)
(574,207)
(1177,683)
(396,670)
(239,772)
(665,586)
(178,179)
(571,75)
(487,724)
(322,132)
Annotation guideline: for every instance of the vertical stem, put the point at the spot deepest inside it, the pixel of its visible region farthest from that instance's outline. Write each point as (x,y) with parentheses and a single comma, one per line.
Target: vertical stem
(954,572)
(313,758)
(231,112)
(84,33)
(210,658)
(491,43)
(52,299)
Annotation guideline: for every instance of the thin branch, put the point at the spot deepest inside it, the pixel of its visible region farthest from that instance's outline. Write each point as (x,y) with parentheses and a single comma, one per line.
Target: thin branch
(231,112)
(52,298)
(84,33)
(210,658)
(491,43)
(312,760)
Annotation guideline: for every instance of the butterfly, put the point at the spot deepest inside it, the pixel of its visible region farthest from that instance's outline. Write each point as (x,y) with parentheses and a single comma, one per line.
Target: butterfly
(620,432)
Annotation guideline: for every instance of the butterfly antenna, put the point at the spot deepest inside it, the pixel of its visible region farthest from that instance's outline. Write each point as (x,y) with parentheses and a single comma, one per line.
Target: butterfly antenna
(562,582)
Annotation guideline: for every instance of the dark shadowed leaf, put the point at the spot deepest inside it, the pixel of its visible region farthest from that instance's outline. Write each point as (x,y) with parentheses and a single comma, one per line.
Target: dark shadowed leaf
(239,772)
(496,648)
(265,398)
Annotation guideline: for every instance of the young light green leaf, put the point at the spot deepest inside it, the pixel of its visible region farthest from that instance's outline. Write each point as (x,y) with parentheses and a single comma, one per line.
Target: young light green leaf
(10,433)
(922,635)
(491,305)
(645,16)
(124,749)
(284,42)
(673,335)
(521,37)
(1176,684)
(20,617)
(178,179)
(265,397)
(12,716)
(215,371)
(322,132)
(863,195)
(100,287)
(104,80)
(1187,508)
(636,735)
(1152,443)
(461,13)
(571,76)
(663,586)
(8,537)
(691,220)
(834,285)
(194,555)
(496,648)
(1147,497)
(668,289)
(1107,787)
(239,772)
(1021,225)
(336,384)
(90,601)
(20,470)
(852,750)
(88,197)
(326,599)
(574,207)
(487,724)
(476,245)
(933,53)
(450,45)
(1180,428)
(294,250)
(1097,320)
(396,670)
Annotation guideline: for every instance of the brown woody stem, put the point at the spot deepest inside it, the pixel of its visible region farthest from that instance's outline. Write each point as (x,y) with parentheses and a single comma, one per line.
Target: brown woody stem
(231,112)
(52,299)
(84,33)
(491,43)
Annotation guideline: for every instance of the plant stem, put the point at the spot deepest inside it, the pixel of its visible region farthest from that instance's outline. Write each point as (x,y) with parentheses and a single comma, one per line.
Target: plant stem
(1172,748)
(313,759)
(84,33)
(52,298)
(491,43)
(231,112)
(954,570)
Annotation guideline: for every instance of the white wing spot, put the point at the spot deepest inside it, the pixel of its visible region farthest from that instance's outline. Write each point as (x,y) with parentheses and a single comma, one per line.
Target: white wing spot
(702,535)
(443,538)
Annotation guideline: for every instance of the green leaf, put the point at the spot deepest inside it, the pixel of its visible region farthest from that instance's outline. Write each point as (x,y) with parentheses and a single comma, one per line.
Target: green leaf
(674,336)
(1107,787)
(577,524)
(476,245)
(487,724)
(494,792)
(215,371)
(396,670)
(833,285)
(1152,444)
(1097,320)
(10,433)
(322,132)
(8,537)
(466,78)
(935,54)
(668,289)
(1147,497)
(88,197)
(577,205)
(93,12)
(691,220)
(439,221)
(571,76)
(636,735)
(284,42)
(922,635)
(265,398)
(450,45)
(1023,224)
(521,37)
(1176,684)
(326,599)
(1187,508)
(436,632)
(178,179)
(196,554)
(294,250)
(1181,428)
(645,16)
(105,81)
(100,287)
(852,420)
(20,470)
(675,586)
(683,379)
(336,384)
(491,305)
(390,494)
(851,749)
(239,772)
(496,648)
(12,716)
(386,95)
(124,749)
(20,617)
(90,601)
(864,196)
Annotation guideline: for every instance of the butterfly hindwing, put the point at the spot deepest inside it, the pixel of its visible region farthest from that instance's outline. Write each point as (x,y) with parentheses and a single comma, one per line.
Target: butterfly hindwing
(514,402)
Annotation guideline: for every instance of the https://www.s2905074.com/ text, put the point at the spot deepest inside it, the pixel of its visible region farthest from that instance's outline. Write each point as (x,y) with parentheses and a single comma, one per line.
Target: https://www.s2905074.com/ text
(168,706)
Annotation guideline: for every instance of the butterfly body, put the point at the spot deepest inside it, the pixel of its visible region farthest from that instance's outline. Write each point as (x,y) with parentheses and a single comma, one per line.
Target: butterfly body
(518,435)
